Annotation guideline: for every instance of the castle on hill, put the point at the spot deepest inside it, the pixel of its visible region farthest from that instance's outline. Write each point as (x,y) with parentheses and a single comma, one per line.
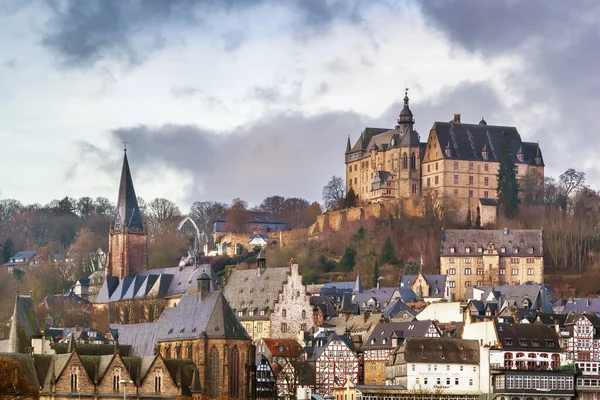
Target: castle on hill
(459,161)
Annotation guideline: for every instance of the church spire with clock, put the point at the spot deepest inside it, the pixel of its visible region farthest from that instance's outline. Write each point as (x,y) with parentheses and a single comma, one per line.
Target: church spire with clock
(127,240)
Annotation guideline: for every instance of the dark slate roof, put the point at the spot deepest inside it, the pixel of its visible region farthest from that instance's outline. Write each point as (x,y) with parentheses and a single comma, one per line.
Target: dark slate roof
(488,202)
(511,239)
(527,337)
(160,282)
(382,296)
(407,294)
(434,281)
(551,319)
(192,318)
(365,137)
(128,212)
(396,307)
(325,304)
(436,350)
(401,330)
(244,289)
(586,305)
(468,140)
(320,342)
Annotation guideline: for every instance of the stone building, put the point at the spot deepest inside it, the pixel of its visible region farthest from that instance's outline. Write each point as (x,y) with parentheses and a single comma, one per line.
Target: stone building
(202,328)
(472,257)
(269,302)
(385,164)
(458,163)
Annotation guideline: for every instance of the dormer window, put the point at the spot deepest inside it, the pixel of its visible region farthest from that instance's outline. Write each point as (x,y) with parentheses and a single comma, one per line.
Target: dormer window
(480,249)
(451,249)
(531,250)
(502,249)
(467,249)
(516,250)
(484,155)
(448,152)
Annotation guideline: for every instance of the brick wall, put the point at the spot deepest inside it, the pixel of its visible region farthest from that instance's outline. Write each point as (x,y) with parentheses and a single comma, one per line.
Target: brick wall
(127,253)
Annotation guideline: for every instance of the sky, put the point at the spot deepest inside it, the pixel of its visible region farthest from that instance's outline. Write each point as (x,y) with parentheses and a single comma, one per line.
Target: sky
(251,98)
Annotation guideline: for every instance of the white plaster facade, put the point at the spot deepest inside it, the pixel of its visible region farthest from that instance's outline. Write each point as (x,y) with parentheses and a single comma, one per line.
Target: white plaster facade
(449,378)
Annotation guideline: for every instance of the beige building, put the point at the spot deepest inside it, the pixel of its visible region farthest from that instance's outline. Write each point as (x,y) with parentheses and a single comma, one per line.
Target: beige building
(472,257)
(459,162)
(269,302)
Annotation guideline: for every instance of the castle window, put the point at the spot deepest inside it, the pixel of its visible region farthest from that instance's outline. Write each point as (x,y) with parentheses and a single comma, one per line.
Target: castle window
(404,161)
(413,161)
(303,313)
(452,271)
(437,180)
(448,153)
(451,284)
(530,251)
(451,260)
(486,181)
(515,271)
(470,194)
(455,165)
(468,261)
(158,375)
(428,168)
(503,249)
(529,271)
(436,166)
(486,194)
(486,167)
(428,182)
(283,313)
(455,192)
(467,271)
(414,188)
(471,166)
(530,260)
(479,271)
(470,180)
(456,179)
(467,283)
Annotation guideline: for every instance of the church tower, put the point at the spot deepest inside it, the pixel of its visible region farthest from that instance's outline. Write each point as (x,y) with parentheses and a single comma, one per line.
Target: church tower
(409,176)
(127,240)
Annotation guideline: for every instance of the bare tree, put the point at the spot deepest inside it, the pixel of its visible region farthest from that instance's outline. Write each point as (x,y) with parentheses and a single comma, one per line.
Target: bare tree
(204,213)
(334,193)
(572,180)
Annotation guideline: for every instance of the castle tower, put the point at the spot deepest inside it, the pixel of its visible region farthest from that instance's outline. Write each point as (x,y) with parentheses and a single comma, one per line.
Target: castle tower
(409,176)
(127,240)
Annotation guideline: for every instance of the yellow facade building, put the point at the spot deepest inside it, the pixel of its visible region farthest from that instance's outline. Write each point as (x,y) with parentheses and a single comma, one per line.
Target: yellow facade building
(459,162)
(474,257)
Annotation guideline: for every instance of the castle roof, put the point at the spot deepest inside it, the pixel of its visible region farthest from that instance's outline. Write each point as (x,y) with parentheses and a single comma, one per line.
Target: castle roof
(128,212)
(467,140)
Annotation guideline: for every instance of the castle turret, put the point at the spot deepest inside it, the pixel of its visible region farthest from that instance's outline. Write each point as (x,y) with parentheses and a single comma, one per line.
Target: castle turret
(405,120)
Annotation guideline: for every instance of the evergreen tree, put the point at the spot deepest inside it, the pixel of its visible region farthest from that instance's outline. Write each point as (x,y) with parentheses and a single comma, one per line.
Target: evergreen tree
(508,187)
(348,260)
(375,274)
(411,267)
(350,200)
(388,253)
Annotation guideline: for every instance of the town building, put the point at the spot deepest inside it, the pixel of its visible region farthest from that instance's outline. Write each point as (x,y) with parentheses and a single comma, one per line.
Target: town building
(429,288)
(430,364)
(22,260)
(266,380)
(582,346)
(351,390)
(333,360)
(269,302)
(202,328)
(474,257)
(384,339)
(459,162)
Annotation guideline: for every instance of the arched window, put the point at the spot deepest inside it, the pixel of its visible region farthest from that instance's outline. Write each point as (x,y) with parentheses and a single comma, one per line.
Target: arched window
(116,380)
(413,161)
(414,188)
(177,351)
(508,360)
(520,363)
(214,373)
(555,361)
(404,161)
(190,351)
(234,373)
(74,378)
(158,375)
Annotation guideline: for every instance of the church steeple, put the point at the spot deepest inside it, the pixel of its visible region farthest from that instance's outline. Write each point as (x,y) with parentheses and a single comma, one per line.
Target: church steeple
(405,120)
(128,212)
(348,148)
(127,241)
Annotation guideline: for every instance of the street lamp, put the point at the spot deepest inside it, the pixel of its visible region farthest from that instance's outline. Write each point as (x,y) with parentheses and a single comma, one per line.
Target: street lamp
(124,383)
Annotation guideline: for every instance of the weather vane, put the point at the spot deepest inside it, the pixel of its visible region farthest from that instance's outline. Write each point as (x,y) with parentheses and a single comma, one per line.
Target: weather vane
(125,143)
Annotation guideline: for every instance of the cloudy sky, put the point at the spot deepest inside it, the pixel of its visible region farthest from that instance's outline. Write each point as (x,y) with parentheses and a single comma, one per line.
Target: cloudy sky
(250,98)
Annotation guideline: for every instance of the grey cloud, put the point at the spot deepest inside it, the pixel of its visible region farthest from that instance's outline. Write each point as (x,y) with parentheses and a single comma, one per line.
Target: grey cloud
(184,91)
(558,45)
(82,33)
(322,88)
(188,92)
(281,93)
(11,63)
(288,154)
(337,65)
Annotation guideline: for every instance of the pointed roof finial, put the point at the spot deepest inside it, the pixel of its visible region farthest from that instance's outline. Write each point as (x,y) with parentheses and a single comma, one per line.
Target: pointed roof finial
(125,143)
(128,210)
(406,116)
(348,147)
(357,285)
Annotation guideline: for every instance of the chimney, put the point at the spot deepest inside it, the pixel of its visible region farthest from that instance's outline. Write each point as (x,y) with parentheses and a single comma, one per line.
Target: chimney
(456,119)
(203,286)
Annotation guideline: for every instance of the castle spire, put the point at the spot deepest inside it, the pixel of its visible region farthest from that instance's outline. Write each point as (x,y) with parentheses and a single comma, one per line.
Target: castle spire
(357,285)
(128,212)
(406,115)
(348,148)
(13,336)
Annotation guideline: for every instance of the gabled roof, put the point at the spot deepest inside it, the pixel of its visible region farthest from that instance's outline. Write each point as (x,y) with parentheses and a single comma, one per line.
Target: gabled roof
(436,350)
(315,349)
(396,307)
(527,337)
(107,289)
(384,331)
(283,347)
(382,297)
(475,239)
(434,281)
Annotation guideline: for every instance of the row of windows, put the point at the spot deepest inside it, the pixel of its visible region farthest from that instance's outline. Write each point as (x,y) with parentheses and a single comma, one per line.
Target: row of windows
(435,368)
(502,271)
(468,249)
(534,382)
(439,381)
(452,284)
(513,260)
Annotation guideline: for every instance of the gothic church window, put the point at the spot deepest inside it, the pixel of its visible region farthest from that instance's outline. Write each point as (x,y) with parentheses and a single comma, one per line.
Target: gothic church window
(414,188)
(214,375)
(404,161)
(158,375)
(74,379)
(234,373)
(413,161)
